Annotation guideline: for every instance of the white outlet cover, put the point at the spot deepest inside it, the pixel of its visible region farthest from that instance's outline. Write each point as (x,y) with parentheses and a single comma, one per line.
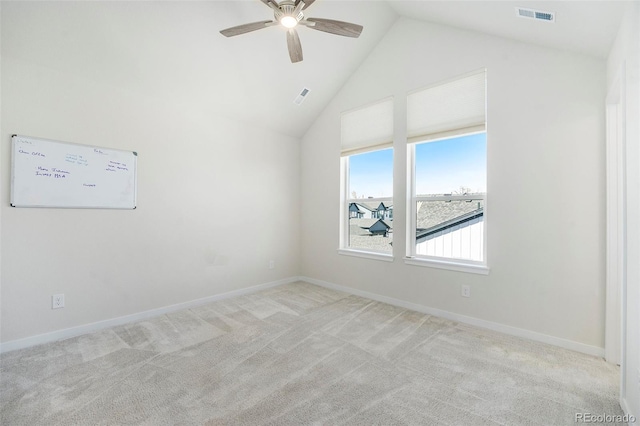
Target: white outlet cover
(465,291)
(57,301)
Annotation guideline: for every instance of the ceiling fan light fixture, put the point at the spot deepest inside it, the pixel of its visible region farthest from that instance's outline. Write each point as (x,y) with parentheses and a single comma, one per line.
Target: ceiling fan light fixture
(288,21)
(289,14)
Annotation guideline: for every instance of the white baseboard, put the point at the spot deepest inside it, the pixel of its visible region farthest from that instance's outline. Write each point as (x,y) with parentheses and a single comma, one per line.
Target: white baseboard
(506,329)
(100,325)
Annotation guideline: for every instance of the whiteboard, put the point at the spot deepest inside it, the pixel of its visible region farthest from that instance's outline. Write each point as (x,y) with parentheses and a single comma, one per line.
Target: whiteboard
(46,173)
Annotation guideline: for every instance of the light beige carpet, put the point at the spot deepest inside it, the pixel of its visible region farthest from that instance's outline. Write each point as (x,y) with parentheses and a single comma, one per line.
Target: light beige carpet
(301,354)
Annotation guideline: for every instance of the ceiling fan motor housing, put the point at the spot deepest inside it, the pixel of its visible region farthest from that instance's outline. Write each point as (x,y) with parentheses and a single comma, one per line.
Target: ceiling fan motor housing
(287,8)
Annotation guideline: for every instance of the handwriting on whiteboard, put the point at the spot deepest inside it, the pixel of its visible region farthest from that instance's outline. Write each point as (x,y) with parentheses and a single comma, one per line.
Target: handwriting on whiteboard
(34,153)
(52,172)
(114,166)
(76,159)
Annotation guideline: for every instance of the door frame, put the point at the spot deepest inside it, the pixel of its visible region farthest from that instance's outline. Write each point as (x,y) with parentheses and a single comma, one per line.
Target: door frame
(615,317)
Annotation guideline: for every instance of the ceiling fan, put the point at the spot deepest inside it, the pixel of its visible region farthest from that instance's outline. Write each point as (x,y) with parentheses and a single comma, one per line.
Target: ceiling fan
(289,14)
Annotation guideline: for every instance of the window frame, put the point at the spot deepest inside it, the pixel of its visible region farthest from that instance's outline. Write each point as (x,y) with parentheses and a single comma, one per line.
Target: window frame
(411,257)
(344,247)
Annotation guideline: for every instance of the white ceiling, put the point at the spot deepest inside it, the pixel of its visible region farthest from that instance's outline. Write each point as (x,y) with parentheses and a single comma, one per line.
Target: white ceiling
(270,82)
(174,51)
(587,27)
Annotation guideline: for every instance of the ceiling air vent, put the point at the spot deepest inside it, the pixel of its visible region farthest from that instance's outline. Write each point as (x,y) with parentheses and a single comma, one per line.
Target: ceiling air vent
(301,97)
(538,15)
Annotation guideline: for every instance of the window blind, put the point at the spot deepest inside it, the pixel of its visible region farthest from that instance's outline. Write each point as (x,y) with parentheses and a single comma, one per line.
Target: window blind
(367,128)
(447,109)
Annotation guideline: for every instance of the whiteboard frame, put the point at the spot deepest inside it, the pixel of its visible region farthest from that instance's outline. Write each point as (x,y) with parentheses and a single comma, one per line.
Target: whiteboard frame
(13,170)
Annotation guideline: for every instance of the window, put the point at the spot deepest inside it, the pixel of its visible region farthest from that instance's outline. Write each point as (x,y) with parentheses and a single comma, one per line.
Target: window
(370,201)
(447,166)
(450,188)
(367,181)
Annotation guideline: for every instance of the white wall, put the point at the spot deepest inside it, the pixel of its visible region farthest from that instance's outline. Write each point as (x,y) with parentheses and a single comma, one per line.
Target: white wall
(216,197)
(623,63)
(1,159)
(545,208)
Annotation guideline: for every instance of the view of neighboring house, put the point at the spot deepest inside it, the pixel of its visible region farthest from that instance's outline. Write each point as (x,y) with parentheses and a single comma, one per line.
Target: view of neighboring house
(444,228)
(452,229)
(366,210)
(370,226)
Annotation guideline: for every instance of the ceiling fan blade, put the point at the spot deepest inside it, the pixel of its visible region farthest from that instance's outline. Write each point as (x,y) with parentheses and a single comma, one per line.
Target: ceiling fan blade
(346,29)
(246,28)
(295,48)
(307,3)
(270,1)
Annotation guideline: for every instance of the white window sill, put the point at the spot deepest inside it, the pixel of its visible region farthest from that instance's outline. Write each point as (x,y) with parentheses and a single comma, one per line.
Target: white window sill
(366,254)
(449,265)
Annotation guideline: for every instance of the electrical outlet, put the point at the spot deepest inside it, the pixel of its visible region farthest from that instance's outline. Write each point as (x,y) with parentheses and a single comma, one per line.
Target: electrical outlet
(272,264)
(466,291)
(57,301)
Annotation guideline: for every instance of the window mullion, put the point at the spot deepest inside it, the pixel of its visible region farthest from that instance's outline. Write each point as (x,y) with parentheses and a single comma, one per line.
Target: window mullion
(411,197)
(344,203)
(450,197)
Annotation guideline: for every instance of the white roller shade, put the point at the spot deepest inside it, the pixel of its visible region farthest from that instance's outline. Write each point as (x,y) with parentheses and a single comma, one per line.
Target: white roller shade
(367,128)
(448,109)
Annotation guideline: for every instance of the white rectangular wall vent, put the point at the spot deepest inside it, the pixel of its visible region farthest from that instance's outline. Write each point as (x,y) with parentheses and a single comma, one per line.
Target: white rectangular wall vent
(302,96)
(538,15)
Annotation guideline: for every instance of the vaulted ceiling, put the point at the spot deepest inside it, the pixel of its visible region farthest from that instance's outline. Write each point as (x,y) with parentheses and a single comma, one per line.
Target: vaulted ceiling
(586,27)
(173,50)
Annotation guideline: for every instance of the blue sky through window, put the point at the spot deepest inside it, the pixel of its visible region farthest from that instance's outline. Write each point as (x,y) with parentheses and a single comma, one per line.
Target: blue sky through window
(371,174)
(442,167)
